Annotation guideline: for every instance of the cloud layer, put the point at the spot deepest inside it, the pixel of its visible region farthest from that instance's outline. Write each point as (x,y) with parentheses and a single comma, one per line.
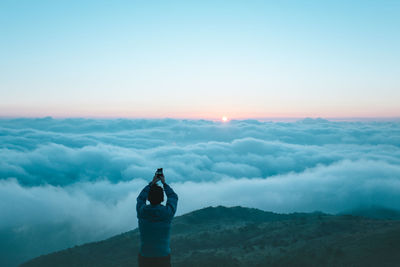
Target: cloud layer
(83,175)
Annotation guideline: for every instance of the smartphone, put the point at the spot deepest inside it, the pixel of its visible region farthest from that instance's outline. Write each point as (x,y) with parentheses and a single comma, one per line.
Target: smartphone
(159,172)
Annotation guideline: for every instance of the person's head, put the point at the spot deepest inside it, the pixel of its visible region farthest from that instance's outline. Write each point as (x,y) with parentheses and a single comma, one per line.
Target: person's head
(156,194)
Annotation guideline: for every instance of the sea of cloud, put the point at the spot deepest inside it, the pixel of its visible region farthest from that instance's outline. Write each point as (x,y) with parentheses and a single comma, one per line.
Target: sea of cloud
(69,181)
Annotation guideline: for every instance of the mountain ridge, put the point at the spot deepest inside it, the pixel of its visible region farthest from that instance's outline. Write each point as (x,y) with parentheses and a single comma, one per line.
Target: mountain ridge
(238,236)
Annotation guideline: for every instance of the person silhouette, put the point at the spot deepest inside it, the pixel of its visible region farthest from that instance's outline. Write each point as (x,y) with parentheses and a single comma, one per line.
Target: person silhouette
(155,222)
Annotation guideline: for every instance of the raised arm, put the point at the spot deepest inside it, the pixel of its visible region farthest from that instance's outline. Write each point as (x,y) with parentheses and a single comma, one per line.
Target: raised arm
(141,199)
(172,198)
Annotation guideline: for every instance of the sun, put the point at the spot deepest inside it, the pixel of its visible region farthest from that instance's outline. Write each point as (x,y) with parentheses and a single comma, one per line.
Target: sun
(224,119)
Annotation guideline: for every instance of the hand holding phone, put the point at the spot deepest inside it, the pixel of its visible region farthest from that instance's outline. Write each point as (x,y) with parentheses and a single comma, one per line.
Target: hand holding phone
(160,175)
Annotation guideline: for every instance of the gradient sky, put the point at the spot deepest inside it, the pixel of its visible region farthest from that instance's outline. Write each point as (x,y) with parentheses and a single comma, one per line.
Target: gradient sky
(200,59)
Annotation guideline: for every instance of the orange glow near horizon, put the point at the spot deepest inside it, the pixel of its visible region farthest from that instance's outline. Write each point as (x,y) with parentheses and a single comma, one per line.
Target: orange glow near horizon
(122,112)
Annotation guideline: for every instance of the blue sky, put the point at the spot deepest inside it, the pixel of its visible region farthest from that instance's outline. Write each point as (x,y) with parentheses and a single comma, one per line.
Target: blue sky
(204,59)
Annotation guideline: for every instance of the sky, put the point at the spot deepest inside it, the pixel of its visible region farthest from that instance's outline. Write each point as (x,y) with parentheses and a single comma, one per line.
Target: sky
(96,95)
(65,182)
(199,59)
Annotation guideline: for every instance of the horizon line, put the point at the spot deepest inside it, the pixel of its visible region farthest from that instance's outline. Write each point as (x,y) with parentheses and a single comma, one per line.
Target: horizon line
(271,118)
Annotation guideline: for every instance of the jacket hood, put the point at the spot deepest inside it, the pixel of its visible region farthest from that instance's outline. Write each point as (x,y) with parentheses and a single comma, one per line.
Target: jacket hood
(153,212)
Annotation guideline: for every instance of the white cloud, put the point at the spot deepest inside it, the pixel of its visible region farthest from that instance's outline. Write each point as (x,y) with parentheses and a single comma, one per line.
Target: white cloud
(87,173)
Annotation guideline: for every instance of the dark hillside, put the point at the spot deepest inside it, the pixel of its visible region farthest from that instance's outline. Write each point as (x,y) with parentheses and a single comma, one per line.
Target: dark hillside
(249,237)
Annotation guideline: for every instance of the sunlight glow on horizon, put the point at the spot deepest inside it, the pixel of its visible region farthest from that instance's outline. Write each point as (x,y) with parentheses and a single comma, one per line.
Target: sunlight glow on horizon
(60,114)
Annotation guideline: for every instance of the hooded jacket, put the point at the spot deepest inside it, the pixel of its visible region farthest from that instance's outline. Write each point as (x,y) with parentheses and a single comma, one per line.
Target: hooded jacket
(155,223)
